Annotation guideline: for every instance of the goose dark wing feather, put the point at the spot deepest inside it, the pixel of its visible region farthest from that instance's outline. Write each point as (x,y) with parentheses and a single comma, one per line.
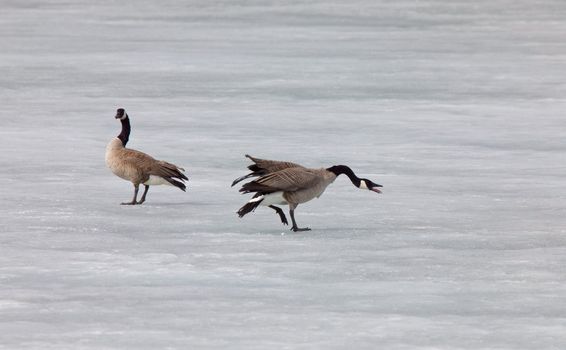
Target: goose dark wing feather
(262,167)
(288,180)
(269,166)
(168,169)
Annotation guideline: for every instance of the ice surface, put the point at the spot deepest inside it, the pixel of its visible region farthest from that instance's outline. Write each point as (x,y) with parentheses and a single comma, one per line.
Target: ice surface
(456,107)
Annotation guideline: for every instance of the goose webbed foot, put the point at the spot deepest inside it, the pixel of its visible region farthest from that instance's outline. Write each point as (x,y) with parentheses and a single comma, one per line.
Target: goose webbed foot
(134,200)
(299,229)
(281,214)
(296,228)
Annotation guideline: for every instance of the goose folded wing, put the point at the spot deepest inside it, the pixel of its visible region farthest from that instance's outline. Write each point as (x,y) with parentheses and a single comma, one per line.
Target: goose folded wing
(146,164)
(166,170)
(137,159)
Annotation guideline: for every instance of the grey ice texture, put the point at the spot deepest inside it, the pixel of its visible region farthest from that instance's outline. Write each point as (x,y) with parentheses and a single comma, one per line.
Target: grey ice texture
(456,107)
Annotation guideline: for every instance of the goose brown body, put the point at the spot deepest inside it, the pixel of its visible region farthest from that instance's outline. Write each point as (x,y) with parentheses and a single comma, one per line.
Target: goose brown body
(299,185)
(138,167)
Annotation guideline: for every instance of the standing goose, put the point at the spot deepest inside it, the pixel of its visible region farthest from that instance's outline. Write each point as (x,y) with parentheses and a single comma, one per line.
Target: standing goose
(296,185)
(138,167)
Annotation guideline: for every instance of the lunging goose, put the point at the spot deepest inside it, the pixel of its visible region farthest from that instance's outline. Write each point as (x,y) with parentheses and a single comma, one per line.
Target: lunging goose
(138,167)
(293,185)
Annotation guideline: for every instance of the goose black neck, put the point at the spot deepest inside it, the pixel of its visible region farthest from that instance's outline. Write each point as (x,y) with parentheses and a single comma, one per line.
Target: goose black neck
(125,134)
(343,169)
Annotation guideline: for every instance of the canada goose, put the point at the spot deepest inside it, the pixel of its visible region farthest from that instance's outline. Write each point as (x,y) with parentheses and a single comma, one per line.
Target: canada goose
(296,185)
(138,167)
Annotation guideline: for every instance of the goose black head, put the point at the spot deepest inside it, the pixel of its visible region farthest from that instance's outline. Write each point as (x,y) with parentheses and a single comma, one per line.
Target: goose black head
(366,184)
(121,114)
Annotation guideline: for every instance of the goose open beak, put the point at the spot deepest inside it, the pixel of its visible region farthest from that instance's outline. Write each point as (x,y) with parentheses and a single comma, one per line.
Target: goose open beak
(376,189)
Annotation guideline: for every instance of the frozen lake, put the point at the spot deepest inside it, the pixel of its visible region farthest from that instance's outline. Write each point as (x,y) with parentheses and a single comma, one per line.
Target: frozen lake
(456,107)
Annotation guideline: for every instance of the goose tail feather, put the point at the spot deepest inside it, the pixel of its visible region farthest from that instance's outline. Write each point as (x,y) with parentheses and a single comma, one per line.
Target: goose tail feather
(249,207)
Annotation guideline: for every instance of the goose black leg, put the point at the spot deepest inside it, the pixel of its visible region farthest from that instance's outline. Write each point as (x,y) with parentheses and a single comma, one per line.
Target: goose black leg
(295,228)
(281,214)
(133,202)
(142,199)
